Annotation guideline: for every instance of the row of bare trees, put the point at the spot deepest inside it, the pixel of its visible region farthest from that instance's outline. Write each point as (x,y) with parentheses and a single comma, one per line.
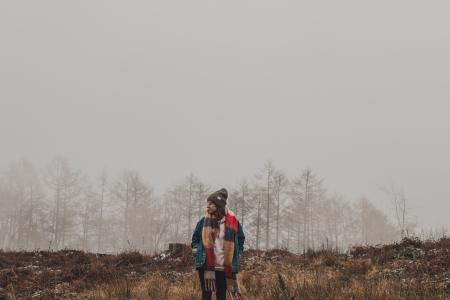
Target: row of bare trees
(298,214)
(57,207)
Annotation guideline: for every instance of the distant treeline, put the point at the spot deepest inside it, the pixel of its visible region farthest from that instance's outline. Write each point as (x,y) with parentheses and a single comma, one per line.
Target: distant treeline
(58,207)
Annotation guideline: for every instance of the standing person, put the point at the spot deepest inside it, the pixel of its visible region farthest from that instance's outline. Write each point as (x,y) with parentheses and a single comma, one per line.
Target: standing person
(218,242)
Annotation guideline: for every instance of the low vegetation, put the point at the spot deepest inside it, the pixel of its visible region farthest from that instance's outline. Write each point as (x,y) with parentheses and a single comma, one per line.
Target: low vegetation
(410,269)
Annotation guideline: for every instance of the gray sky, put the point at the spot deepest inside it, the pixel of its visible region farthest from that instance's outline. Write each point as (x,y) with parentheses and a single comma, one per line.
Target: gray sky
(357,91)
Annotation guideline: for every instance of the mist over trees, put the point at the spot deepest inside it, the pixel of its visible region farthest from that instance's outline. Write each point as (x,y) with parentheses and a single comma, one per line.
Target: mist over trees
(57,206)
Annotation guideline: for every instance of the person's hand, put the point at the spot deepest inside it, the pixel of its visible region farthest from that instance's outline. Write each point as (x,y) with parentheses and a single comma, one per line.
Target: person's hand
(210,285)
(194,250)
(235,295)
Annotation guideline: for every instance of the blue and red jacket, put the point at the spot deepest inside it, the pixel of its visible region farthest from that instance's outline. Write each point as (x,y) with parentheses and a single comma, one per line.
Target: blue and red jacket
(200,255)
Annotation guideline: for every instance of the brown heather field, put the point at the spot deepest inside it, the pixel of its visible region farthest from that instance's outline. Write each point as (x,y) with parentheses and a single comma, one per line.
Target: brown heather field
(411,269)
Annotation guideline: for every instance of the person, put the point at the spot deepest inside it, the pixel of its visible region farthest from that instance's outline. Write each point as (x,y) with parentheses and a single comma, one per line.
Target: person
(218,242)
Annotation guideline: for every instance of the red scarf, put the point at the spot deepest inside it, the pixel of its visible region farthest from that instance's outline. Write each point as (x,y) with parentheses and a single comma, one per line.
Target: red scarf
(210,232)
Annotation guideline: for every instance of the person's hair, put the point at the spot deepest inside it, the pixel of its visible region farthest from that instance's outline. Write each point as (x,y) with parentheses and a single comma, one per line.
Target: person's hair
(220,212)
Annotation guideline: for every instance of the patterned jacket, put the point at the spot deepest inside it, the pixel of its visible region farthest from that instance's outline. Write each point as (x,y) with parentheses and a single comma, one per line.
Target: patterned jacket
(200,255)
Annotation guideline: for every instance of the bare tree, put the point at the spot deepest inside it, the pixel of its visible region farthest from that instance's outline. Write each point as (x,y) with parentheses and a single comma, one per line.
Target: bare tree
(191,182)
(305,191)
(201,191)
(259,196)
(64,183)
(175,203)
(243,194)
(162,221)
(121,192)
(101,217)
(398,201)
(296,214)
(373,224)
(141,209)
(88,213)
(265,177)
(280,183)
(135,199)
(21,199)
(332,215)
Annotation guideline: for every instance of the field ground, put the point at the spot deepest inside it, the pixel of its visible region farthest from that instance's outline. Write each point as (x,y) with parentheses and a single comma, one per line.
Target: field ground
(411,269)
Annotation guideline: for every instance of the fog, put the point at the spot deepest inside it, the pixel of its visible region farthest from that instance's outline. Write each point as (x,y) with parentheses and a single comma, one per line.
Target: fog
(359,92)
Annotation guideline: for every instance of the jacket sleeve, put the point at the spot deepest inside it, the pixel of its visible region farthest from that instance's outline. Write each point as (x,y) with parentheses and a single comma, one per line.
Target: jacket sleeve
(197,236)
(241,237)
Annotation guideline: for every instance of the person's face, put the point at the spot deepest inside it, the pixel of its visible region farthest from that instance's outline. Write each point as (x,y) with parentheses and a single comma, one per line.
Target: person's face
(211,207)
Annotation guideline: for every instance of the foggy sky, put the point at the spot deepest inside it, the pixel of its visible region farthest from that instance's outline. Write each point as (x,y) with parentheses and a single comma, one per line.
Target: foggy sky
(357,91)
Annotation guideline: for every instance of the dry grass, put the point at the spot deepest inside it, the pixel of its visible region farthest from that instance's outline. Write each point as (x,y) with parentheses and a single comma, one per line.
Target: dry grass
(411,269)
(153,287)
(284,285)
